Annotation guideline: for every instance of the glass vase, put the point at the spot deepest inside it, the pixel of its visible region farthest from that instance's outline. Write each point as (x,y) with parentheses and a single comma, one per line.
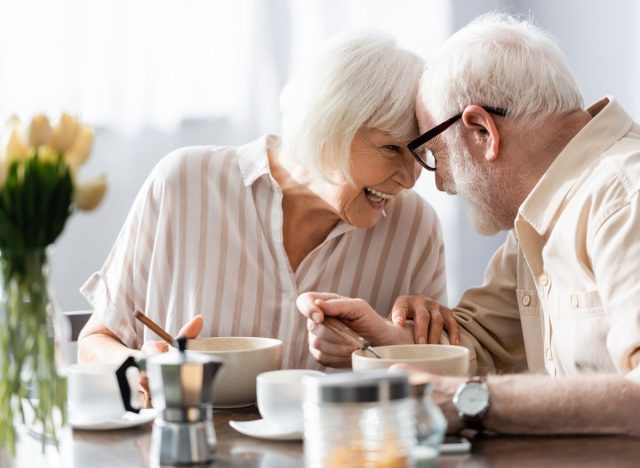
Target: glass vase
(32,333)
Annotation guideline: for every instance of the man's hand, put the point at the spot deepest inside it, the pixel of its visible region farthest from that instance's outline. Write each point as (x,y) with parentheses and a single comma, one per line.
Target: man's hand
(429,318)
(329,348)
(152,347)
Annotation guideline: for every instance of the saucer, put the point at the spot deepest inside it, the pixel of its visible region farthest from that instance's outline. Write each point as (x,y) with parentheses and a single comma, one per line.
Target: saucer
(127,420)
(262,430)
(236,406)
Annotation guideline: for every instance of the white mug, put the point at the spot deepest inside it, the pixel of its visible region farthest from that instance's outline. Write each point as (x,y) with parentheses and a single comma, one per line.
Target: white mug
(93,393)
(280,397)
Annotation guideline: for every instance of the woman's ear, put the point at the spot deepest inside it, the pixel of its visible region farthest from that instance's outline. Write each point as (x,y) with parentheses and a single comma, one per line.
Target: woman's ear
(476,118)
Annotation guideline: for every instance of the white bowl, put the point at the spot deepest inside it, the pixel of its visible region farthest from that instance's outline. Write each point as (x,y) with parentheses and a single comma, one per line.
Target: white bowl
(244,358)
(432,358)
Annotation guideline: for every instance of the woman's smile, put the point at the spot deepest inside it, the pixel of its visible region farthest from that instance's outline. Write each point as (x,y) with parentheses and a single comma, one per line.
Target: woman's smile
(376,198)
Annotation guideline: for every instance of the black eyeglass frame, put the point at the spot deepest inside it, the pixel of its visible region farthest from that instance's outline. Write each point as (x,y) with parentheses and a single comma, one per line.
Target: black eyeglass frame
(438,129)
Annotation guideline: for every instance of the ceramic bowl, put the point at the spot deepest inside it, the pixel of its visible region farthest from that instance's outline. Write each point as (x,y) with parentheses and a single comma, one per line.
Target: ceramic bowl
(432,358)
(244,358)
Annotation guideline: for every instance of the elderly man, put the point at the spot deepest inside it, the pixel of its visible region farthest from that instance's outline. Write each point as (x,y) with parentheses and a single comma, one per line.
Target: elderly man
(562,295)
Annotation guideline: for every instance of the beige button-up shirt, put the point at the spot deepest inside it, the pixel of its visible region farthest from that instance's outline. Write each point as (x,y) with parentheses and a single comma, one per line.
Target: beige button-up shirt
(562,295)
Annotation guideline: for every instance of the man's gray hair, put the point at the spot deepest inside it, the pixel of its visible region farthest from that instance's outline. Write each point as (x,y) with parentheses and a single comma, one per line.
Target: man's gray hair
(500,61)
(358,79)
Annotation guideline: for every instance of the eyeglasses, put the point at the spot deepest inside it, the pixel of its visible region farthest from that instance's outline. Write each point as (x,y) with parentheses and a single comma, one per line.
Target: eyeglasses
(423,155)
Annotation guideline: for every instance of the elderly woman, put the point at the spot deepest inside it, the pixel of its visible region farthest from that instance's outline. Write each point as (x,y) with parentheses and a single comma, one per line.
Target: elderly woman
(221,240)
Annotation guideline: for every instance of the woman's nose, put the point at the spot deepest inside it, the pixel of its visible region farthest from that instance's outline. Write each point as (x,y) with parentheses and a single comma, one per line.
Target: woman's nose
(409,172)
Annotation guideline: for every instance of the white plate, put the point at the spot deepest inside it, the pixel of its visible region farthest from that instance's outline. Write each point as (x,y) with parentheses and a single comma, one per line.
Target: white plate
(128,419)
(262,430)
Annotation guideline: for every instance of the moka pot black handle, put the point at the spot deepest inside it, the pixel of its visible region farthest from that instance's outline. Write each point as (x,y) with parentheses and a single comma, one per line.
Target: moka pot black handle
(123,383)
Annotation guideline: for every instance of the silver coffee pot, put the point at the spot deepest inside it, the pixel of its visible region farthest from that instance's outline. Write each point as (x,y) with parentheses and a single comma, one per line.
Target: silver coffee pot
(181,386)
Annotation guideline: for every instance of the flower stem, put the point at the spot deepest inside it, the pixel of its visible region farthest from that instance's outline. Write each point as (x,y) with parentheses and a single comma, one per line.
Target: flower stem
(28,366)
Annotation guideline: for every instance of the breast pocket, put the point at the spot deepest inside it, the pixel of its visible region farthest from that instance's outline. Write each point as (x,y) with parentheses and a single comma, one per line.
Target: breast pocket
(579,304)
(580,328)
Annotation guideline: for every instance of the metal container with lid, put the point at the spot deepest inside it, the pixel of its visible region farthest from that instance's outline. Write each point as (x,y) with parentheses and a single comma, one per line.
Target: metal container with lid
(358,419)
(181,385)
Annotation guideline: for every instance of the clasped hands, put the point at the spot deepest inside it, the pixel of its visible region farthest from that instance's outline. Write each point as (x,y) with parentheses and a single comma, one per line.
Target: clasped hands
(330,349)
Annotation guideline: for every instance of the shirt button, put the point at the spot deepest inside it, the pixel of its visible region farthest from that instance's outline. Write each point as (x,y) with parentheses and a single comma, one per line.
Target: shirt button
(575,302)
(526,300)
(544,280)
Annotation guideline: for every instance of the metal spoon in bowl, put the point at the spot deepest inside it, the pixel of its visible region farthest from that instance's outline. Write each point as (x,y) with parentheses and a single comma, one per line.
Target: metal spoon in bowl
(343,330)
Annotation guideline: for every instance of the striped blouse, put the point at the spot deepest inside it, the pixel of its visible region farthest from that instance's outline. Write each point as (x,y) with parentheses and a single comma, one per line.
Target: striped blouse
(204,235)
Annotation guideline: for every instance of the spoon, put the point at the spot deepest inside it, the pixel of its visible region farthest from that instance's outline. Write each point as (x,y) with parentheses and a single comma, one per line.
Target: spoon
(154,327)
(341,329)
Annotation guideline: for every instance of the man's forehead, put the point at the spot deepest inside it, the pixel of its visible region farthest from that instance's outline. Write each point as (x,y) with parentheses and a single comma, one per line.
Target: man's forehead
(423,115)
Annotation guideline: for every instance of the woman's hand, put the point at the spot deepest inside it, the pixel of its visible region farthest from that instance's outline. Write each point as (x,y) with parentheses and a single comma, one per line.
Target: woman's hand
(152,347)
(429,319)
(331,349)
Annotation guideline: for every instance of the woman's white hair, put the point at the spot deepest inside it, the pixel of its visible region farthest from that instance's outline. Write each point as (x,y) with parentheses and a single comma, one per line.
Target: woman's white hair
(358,79)
(500,61)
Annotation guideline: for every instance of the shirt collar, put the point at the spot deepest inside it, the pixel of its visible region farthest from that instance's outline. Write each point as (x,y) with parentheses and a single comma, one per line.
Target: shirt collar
(609,123)
(253,158)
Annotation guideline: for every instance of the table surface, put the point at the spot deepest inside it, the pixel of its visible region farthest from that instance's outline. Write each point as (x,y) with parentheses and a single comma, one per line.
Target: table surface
(130,448)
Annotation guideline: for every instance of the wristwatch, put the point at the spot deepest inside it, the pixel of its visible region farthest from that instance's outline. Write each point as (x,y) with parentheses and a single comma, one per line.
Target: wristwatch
(471,401)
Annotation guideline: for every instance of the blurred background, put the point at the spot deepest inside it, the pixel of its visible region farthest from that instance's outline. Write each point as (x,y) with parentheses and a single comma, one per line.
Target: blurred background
(154,75)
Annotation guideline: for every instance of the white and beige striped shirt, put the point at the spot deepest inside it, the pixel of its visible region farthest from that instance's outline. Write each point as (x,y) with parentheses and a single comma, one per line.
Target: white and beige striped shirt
(204,235)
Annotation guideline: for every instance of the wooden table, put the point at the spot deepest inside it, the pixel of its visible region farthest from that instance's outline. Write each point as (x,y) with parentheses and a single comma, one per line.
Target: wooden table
(130,448)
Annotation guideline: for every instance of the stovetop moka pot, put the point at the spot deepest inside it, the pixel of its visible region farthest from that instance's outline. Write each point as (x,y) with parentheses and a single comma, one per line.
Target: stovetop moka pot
(181,386)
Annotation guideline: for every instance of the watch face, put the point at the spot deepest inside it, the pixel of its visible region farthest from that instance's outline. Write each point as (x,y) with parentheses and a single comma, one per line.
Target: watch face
(473,399)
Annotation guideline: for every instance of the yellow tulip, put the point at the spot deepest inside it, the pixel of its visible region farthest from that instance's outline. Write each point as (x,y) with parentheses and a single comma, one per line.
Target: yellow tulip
(13,148)
(81,147)
(64,133)
(47,153)
(88,195)
(38,132)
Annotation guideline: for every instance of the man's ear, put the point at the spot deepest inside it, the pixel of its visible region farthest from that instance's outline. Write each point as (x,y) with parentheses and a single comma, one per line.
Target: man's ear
(476,118)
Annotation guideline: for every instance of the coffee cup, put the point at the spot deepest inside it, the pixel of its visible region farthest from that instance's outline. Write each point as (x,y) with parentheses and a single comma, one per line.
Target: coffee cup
(433,358)
(93,393)
(280,397)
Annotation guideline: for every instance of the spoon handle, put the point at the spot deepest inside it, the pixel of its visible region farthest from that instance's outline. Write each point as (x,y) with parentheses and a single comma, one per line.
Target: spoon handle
(343,330)
(154,327)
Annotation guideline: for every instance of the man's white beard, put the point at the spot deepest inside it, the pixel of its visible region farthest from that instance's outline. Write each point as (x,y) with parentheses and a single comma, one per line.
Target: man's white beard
(485,196)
